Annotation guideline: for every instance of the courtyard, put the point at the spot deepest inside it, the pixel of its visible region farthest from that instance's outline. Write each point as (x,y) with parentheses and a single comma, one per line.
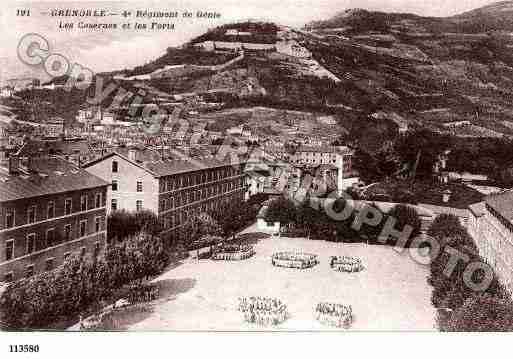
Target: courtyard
(391,293)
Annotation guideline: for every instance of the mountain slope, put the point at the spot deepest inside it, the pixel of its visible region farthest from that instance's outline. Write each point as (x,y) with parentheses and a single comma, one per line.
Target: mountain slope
(429,70)
(446,74)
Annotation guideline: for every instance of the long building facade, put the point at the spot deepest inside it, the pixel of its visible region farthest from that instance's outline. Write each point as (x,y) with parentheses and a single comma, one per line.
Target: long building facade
(49,209)
(491,226)
(172,189)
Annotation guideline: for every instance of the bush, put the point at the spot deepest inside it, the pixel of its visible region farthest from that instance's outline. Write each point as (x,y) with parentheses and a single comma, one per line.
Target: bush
(483,312)
(447,229)
(406,215)
(233,217)
(472,311)
(450,292)
(281,210)
(80,283)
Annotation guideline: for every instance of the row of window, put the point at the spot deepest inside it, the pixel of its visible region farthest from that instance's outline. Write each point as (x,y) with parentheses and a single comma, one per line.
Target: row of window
(114,205)
(194,196)
(138,187)
(10,215)
(49,263)
(193,179)
(51,239)
(179,217)
(188,180)
(317,154)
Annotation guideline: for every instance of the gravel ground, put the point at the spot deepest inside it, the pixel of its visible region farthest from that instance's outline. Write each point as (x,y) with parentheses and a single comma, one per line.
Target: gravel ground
(391,293)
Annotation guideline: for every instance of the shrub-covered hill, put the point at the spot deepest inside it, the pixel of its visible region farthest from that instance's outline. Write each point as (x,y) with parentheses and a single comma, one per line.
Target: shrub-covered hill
(407,69)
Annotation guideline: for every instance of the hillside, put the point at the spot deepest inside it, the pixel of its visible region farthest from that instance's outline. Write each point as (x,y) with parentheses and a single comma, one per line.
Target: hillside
(433,71)
(452,75)
(497,16)
(419,71)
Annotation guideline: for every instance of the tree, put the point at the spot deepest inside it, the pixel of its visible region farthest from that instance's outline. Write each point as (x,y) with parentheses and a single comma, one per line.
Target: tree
(197,228)
(424,142)
(377,165)
(80,283)
(447,229)
(406,216)
(230,218)
(504,177)
(306,217)
(123,224)
(366,165)
(281,210)
(452,292)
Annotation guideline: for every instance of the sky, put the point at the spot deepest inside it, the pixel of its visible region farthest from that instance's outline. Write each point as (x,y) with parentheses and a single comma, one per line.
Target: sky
(111,50)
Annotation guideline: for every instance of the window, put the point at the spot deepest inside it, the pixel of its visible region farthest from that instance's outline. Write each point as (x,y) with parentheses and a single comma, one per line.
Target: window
(29,271)
(50,237)
(65,256)
(49,264)
(67,232)
(83,227)
(9,219)
(138,205)
(114,166)
(97,224)
(96,248)
(67,206)
(50,210)
(9,277)
(114,204)
(31,214)
(9,249)
(139,186)
(31,243)
(83,203)
(114,185)
(83,251)
(98,200)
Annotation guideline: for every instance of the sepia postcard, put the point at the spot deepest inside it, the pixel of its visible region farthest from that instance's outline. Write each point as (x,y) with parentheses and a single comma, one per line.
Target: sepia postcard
(260,166)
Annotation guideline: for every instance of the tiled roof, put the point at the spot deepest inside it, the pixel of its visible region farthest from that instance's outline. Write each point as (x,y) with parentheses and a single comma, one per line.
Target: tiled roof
(167,167)
(47,176)
(170,167)
(502,203)
(324,149)
(141,155)
(53,147)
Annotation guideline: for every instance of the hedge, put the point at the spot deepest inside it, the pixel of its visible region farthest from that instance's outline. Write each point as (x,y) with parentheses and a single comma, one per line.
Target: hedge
(483,313)
(465,309)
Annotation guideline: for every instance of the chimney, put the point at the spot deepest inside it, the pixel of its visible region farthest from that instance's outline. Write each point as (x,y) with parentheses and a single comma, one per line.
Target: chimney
(131,154)
(14,165)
